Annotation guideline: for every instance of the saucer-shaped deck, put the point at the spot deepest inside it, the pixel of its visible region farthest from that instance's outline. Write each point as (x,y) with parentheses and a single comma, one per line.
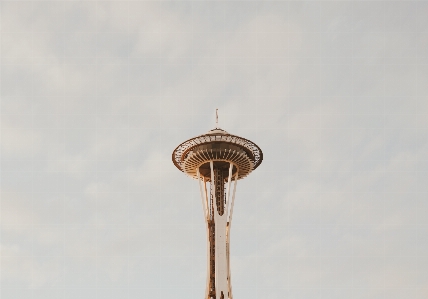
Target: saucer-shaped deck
(220,147)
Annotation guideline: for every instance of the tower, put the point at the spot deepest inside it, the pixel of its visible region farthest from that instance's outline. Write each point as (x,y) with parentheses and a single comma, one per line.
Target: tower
(218,159)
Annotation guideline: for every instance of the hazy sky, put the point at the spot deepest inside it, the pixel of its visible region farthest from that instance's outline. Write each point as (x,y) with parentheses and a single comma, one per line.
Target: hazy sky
(96,95)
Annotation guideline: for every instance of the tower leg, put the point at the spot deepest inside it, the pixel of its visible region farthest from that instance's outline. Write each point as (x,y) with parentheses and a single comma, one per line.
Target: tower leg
(216,208)
(229,225)
(204,197)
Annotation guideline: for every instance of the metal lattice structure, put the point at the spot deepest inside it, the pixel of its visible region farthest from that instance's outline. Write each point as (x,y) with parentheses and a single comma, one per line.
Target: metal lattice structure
(217,158)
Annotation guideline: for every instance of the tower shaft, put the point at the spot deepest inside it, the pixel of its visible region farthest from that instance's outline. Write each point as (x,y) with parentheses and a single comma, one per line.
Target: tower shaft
(218,219)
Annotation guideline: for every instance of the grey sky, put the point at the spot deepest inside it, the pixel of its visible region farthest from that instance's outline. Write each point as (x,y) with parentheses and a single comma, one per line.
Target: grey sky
(96,95)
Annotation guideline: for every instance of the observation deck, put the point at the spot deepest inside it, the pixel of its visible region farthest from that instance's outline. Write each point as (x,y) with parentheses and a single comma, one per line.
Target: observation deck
(221,147)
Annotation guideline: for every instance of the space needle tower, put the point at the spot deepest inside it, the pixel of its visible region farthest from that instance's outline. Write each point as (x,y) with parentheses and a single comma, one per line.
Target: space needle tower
(217,160)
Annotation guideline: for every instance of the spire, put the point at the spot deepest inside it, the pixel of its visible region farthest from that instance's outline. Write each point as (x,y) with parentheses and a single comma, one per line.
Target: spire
(216,118)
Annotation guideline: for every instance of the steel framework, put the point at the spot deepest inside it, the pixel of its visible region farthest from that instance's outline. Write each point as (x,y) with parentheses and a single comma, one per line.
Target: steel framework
(218,159)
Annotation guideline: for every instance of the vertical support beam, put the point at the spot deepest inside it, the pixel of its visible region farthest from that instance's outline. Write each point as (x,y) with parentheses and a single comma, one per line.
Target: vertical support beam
(213,185)
(229,224)
(214,213)
(204,206)
(232,202)
(229,179)
(207,207)
(206,216)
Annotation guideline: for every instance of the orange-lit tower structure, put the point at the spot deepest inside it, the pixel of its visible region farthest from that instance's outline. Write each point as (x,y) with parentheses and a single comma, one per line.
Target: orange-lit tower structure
(217,159)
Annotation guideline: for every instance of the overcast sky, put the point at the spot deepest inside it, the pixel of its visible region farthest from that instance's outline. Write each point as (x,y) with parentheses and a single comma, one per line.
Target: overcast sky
(95,96)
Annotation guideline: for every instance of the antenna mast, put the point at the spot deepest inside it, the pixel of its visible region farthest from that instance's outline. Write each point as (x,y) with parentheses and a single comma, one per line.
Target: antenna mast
(216,118)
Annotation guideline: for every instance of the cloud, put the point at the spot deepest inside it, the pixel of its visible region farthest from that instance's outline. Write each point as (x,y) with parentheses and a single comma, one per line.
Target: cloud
(96,95)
